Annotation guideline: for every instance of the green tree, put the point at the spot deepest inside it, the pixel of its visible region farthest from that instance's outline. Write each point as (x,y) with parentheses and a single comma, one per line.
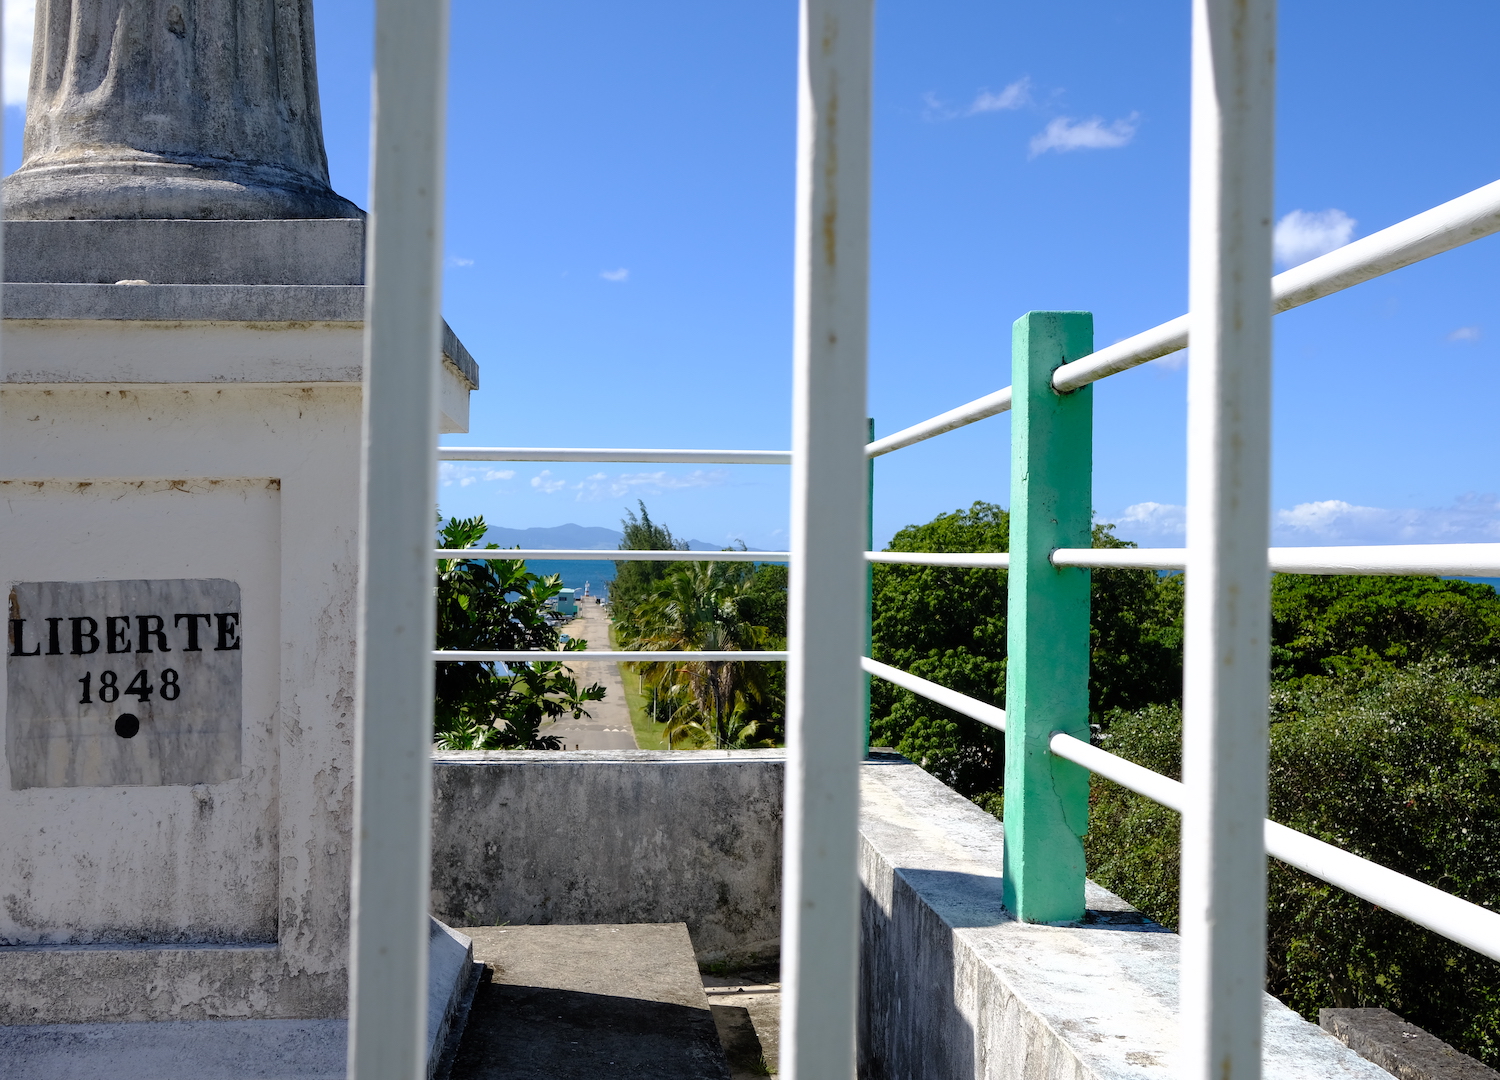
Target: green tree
(947,624)
(1400,766)
(634,581)
(1324,625)
(702,606)
(492,605)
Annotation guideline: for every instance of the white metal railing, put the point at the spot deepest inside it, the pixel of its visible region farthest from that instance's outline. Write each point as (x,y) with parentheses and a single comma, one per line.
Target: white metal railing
(1453,224)
(1456,919)
(610,555)
(1232,299)
(826,626)
(629,656)
(1437,560)
(671,457)
(398,489)
(1226,663)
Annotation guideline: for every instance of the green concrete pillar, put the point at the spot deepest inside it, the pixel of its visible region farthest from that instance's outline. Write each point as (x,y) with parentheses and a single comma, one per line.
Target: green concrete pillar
(1047,674)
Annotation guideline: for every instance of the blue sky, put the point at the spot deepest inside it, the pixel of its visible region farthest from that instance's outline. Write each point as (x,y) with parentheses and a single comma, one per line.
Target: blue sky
(620,242)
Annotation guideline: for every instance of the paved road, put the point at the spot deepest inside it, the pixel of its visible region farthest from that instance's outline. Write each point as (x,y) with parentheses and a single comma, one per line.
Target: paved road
(607,727)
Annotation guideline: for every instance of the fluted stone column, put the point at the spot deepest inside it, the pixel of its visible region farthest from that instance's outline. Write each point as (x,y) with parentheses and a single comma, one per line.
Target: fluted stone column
(173,109)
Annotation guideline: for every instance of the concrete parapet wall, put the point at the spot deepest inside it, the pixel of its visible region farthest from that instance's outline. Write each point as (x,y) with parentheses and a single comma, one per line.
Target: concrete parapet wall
(635,836)
(952,986)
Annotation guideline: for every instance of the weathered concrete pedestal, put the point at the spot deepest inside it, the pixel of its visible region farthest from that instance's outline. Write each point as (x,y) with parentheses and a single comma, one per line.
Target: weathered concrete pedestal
(179,507)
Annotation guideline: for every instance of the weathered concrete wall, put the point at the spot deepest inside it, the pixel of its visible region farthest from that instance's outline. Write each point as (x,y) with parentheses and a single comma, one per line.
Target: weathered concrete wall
(190,432)
(952,986)
(613,837)
(258,485)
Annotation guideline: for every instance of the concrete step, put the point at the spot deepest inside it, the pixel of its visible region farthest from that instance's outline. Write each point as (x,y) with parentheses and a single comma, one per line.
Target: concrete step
(588,1001)
(228,1049)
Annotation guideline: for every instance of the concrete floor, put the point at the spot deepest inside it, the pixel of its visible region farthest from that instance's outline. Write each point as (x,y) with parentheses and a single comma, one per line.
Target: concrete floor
(586,1002)
(607,727)
(197,1050)
(746,1005)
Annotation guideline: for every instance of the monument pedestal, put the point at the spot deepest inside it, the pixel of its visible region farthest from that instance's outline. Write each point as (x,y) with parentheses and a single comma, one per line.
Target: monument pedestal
(156,437)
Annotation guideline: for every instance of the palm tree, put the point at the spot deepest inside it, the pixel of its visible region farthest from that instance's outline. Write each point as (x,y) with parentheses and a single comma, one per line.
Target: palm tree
(702,606)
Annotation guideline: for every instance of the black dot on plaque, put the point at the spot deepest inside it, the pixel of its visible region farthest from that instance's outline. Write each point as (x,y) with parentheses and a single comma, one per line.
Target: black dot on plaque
(126,725)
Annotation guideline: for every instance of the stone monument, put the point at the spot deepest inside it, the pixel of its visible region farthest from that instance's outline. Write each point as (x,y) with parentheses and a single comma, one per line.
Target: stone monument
(176,109)
(180,411)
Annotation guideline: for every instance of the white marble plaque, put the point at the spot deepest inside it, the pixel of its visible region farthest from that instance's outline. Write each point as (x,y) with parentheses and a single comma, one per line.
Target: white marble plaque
(123,683)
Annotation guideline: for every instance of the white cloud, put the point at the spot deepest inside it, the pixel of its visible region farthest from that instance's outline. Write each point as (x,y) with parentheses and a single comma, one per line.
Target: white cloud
(1470,519)
(934,108)
(1065,133)
(601,486)
(546,483)
(1152,520)
(617,276)
(451,473)
(20,19)
(1014,96)
(454,260)
(1306,234)
(1465,333)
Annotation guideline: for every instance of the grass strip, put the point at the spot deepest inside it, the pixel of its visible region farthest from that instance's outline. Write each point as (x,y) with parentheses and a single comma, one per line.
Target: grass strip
(648,736)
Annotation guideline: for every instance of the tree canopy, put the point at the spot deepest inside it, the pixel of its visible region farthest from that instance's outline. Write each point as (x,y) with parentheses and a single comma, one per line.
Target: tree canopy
(715,606)
(947,624)
(1384,739)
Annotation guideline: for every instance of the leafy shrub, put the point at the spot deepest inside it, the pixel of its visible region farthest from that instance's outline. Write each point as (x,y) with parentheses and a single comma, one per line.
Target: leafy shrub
(495,604)
(1401,767)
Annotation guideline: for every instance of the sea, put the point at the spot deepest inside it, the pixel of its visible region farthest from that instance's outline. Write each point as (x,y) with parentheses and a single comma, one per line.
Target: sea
(595,573)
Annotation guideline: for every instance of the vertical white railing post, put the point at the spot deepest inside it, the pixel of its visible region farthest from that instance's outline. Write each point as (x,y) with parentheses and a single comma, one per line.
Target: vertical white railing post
(1226,664)
(393,704)
(825,686)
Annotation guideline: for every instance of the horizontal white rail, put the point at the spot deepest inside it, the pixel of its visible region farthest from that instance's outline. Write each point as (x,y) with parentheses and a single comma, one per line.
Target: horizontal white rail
(1156,787)
(1451,560)
(1458,920)
(1453,224)
(610,555)
(952,699)
(976,559)
(519,656)
(981,559)
(669,457)
(1148,345)
(989,405)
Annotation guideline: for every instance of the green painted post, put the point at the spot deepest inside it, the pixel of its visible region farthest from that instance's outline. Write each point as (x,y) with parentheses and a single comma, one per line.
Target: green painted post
(869,568)
(1047,674)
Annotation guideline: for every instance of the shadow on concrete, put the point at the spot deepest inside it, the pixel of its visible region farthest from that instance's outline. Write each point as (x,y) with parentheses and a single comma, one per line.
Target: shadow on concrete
(741,1043)
(969,901)
(526,1032)
(907,1003)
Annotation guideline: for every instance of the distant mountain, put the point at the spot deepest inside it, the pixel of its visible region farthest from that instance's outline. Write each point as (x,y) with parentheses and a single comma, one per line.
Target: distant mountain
(577,537)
